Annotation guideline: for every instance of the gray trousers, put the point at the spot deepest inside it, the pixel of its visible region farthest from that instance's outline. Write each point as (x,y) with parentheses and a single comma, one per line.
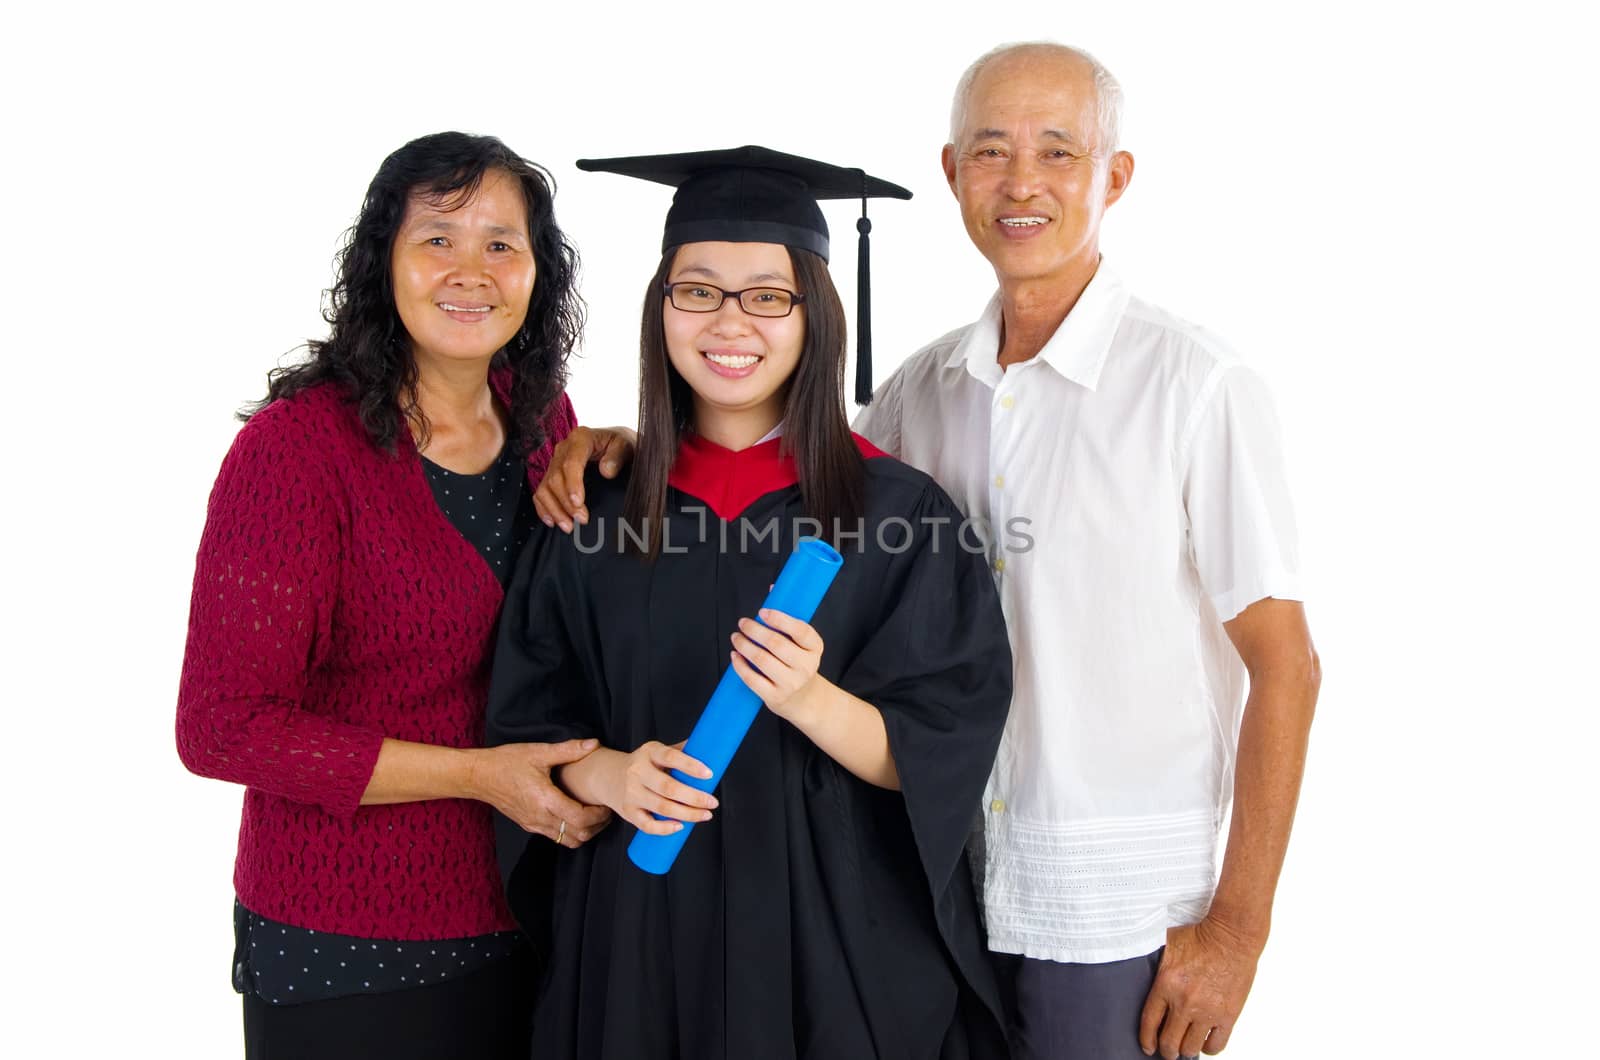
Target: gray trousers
(1074,1011)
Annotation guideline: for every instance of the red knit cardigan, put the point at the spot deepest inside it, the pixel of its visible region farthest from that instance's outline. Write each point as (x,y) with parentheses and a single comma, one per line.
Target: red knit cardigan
(334,604)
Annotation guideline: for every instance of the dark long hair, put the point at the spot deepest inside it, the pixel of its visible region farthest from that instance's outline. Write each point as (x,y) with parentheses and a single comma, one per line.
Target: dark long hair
(368,351)
(816,432)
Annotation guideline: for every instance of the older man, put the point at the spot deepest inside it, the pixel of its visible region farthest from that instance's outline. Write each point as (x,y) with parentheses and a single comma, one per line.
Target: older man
(1145,460)
(1139,460)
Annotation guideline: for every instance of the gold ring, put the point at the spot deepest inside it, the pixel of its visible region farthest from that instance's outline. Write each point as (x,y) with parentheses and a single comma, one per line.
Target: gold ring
(561,834)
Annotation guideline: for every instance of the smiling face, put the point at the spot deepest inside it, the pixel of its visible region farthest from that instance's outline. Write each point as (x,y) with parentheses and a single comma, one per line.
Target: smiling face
(1028,169)
(463,272)
(738,365)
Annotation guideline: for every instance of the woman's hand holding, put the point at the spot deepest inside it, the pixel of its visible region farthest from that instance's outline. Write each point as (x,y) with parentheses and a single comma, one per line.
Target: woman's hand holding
(639,785)
(779,661)
(515,779)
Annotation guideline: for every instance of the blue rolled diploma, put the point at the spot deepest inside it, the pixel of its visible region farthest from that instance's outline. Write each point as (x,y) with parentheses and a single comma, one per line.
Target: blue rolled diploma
(800,587)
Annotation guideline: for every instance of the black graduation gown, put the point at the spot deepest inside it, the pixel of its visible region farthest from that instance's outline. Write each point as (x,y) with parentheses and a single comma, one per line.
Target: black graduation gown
(815,915)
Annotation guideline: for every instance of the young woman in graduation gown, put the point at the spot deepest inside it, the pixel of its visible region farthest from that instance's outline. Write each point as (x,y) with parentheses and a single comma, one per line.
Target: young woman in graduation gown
(823,906)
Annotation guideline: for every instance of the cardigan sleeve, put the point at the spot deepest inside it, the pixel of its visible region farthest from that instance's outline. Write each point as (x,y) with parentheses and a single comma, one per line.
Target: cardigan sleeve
(265,588)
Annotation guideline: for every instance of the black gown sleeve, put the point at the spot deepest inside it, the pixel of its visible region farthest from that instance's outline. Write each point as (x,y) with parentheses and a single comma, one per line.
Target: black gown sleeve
(538,693)
(938,667)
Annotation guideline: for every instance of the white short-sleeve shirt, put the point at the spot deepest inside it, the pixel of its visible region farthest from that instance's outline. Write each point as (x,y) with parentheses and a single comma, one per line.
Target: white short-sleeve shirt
(1131,482)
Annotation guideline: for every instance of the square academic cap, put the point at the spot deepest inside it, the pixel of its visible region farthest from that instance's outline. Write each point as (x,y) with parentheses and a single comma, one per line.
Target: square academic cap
(756,195)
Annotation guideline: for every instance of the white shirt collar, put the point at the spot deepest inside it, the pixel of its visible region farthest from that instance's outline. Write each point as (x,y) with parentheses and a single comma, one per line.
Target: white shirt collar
(776,432)
(1078,348)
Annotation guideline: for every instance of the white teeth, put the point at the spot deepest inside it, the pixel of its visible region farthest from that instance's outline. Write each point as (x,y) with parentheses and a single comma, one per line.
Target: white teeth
(464,309)
(741,361)
(1022,222)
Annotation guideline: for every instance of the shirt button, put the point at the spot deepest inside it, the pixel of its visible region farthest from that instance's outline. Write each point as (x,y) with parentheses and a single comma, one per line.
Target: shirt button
(1007,401)
(999,482)
(998,806)
(1000,565)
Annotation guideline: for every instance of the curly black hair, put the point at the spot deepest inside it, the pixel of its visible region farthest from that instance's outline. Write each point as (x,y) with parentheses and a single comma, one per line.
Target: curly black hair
(368,351)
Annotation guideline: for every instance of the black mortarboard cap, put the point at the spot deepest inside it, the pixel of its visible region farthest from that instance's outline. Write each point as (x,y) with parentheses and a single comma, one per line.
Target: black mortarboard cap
(756,195)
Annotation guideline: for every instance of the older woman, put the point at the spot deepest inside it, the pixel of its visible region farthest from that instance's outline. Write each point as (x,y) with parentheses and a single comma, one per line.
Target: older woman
(346,592)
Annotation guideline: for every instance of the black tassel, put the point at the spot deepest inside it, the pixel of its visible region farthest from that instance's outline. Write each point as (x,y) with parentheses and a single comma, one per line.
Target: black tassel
(863,310)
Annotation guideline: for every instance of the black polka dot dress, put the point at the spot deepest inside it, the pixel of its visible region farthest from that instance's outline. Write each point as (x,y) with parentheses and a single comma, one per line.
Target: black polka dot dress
(492,510)
(283,964)
(286,965)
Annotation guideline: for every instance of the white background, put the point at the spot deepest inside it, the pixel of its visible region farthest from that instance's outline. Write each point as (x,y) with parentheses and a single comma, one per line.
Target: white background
(1388,209)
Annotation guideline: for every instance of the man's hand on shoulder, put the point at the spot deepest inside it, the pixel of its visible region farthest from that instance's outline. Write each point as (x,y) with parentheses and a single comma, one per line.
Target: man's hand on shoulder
(559,500)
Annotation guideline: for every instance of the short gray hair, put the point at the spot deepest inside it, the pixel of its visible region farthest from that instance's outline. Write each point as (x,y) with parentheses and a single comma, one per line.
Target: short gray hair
(1107,92)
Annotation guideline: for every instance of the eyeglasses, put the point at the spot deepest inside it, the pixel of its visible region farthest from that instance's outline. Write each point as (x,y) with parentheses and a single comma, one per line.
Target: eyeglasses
(707,298)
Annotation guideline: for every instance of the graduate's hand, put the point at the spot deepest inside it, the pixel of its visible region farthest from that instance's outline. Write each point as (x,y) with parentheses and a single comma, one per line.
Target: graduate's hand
(514,778)
(559,499)
(638,785)
(779,662)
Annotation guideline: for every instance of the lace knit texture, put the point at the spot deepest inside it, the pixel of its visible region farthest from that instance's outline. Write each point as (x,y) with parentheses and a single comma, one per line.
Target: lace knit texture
(334,604)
